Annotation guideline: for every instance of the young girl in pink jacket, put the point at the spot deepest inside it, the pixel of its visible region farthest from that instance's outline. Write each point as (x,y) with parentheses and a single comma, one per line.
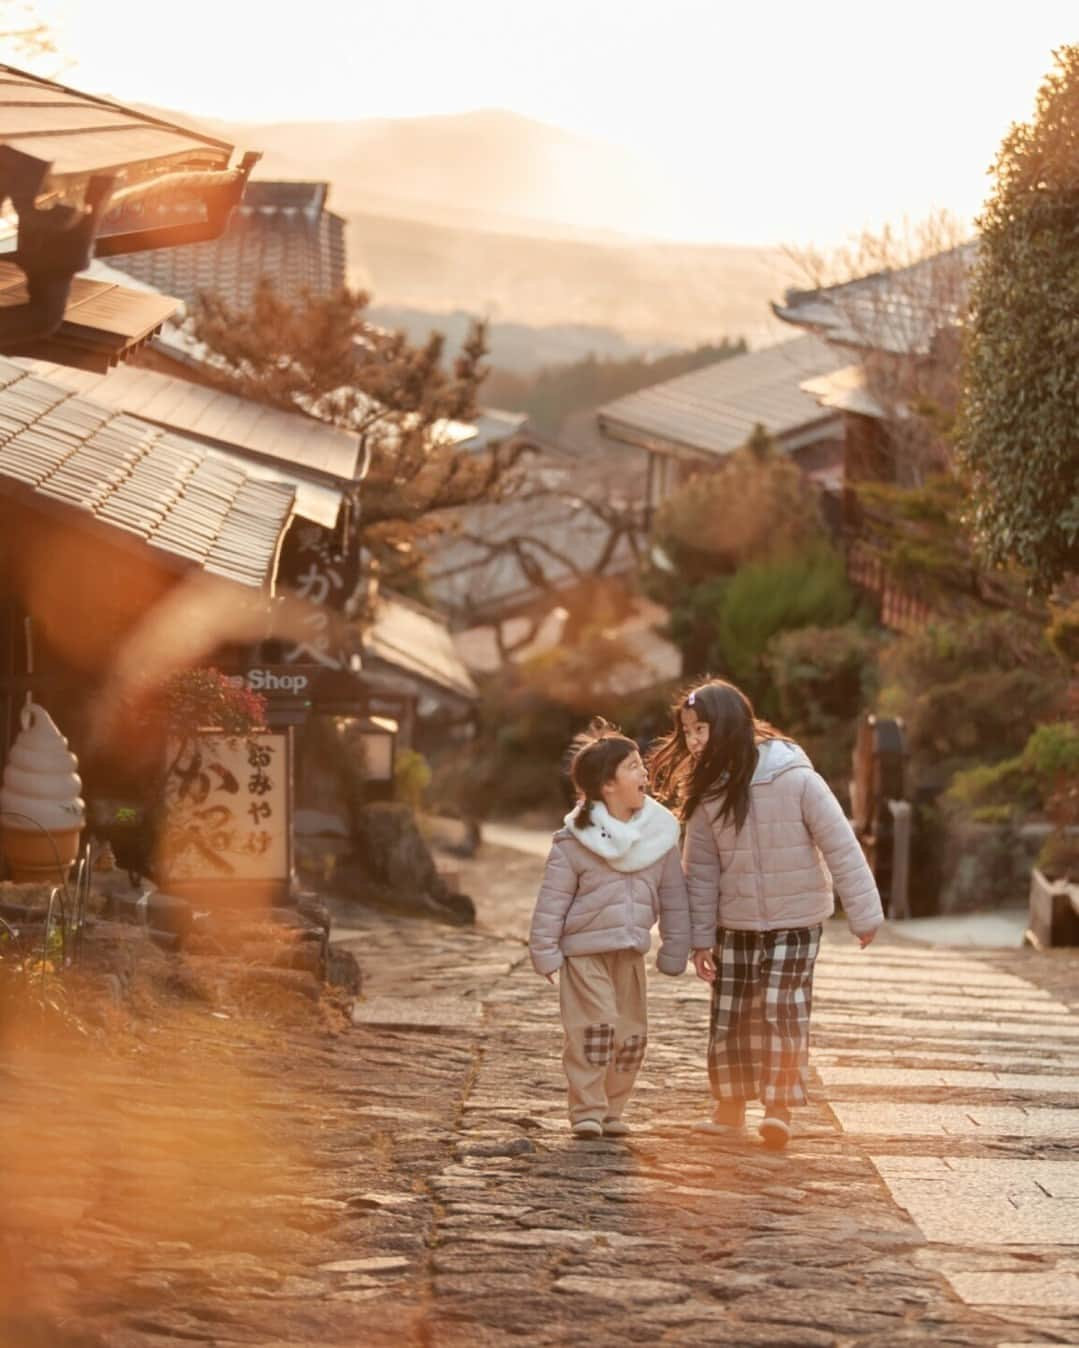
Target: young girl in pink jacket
(612,872)
(765,842)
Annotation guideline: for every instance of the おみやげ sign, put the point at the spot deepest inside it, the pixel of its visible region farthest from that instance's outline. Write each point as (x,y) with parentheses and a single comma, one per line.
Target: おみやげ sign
(226,813)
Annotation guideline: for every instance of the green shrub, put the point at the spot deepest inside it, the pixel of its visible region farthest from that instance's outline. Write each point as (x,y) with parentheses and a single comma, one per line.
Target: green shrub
(1052,752)
(970,691)
(1043,777)
(1063,632)
(946,651)
(411,778)
(822,679)
(993,792)
(1059,856)
(822,676)
(753,507)
(694,622)
(806,589)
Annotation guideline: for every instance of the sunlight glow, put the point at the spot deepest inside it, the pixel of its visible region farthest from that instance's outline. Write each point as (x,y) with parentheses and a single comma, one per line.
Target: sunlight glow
(778,123)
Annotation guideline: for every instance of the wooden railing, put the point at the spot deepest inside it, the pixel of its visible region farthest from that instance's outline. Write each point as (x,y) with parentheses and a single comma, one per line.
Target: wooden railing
(900,611)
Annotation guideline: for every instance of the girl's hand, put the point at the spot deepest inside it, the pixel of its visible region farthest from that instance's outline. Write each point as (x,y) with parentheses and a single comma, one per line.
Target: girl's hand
(863,941)
(705,965)
(549,977)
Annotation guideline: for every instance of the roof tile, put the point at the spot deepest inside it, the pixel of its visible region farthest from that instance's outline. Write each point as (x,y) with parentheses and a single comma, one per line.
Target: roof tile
(133,476)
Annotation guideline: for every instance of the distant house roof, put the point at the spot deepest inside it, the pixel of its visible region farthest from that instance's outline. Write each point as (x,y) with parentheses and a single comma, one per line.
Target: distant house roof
(130,475)
(281,231)
(417,642)
(714,410)
(898,311)
(493,424)
(845,390)
(488,567)
(222,419)
(646,658)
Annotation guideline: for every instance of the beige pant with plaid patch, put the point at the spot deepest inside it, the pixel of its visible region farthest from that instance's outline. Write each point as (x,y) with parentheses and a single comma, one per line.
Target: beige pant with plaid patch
(605,1017)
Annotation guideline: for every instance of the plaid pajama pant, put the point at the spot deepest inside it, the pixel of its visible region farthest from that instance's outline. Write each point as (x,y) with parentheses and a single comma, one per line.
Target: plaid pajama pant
(758,1037)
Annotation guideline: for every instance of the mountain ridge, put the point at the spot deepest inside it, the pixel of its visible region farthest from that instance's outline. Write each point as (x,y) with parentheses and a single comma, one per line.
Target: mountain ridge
(501,216)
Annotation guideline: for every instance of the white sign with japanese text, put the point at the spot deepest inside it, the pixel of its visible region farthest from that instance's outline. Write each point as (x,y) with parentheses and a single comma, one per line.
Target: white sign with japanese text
(226,811)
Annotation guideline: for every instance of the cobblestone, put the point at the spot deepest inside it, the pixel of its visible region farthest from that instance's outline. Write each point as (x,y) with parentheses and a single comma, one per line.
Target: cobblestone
(412,1182)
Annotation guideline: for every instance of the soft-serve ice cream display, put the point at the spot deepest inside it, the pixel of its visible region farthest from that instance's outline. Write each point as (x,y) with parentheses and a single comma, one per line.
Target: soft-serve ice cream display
(41,791)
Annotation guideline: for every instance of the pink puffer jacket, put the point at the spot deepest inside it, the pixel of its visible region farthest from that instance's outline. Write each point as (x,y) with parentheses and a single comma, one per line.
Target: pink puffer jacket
(777,872)
(606,886)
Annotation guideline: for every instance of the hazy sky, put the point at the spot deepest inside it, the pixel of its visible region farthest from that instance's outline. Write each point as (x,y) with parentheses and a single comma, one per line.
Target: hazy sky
(787,121)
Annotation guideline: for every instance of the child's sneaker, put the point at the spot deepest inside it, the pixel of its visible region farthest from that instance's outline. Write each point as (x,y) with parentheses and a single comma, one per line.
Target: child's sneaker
(775,1129)
(588,1128)
(727,1117)
(616,1128)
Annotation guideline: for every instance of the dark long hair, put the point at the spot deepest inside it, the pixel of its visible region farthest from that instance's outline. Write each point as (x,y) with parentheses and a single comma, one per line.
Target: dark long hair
(597,752)
(724,769)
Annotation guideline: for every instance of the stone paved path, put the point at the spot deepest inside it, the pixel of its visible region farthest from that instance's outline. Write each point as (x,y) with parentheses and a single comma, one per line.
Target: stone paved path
(412,1184)
(929,1204)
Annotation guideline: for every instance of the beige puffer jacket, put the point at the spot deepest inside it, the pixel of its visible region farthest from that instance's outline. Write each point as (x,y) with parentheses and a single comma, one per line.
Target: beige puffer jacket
(777,872)
(605,887)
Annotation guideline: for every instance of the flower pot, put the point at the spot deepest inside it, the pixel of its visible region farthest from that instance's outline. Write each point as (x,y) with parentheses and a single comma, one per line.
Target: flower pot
(1054,912)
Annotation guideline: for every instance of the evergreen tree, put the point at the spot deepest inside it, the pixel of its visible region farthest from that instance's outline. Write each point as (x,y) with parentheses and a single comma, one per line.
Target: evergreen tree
(325,359)
(1019,420)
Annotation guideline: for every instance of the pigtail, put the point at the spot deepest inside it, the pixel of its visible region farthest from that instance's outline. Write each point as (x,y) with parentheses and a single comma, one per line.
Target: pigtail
(583,817)
(595,756)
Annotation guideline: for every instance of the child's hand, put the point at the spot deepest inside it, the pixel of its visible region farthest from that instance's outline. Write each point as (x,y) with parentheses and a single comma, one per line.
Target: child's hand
(864,940)
(705,965)
(549,977)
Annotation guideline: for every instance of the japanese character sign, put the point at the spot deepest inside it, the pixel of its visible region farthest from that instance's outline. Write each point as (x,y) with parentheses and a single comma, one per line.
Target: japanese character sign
(325,578)
(226,809)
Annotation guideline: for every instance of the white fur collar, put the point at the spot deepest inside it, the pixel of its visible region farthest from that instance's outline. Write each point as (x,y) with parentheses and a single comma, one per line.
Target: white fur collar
(631,844)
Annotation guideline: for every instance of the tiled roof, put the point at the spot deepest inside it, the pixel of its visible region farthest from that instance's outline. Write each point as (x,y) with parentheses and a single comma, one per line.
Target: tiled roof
(846,390)
(714,410)
(487,566)
(128,474)
(898,311)
(219,418)
(103,321)
(418,642)
(79,134)
(645,658)
(281,230)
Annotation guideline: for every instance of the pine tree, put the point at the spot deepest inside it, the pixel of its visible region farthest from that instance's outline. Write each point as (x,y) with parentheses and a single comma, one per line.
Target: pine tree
(325,359)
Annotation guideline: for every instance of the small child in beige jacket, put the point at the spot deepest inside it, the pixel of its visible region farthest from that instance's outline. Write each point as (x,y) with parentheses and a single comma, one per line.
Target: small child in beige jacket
(612,871)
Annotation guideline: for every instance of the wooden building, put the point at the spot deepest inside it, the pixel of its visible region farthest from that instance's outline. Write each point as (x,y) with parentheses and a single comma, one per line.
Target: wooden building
(684,425)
